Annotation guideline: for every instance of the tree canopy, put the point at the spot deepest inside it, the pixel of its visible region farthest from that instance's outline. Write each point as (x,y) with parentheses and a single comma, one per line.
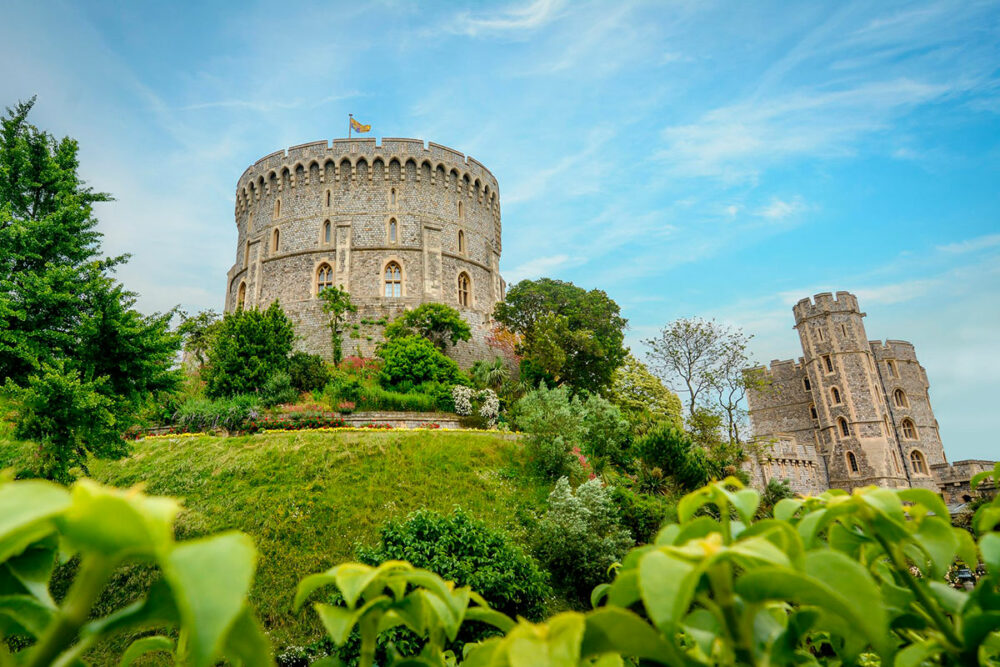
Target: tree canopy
(249,347)
(574,336)
(440,324)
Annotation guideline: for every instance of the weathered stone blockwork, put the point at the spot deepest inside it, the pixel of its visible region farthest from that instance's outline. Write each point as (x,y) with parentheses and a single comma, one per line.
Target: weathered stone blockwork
(851,412)
(356,206)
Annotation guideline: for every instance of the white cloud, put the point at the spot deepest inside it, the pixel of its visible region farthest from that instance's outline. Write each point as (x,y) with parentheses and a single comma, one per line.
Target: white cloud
(779,209)
(514,19)
(972,245)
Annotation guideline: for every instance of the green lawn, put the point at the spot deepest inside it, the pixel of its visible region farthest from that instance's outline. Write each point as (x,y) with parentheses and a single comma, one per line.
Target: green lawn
(308,498)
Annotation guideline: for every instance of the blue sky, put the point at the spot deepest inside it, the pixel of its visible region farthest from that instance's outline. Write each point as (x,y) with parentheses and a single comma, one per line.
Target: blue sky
(690,158)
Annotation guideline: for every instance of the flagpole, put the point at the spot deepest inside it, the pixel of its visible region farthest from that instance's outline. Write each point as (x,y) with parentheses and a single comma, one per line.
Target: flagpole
(350,125)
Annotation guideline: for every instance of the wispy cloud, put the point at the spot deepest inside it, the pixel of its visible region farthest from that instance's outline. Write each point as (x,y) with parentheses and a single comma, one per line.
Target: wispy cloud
(267,106)
(779,209)
(540,266)
(513,19)
(972,245)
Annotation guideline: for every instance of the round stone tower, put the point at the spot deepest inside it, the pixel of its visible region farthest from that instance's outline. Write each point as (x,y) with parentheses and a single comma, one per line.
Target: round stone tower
(396,224)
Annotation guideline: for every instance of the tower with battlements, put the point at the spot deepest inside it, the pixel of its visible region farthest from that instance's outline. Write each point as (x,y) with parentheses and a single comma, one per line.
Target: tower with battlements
(850,412)
(397,224)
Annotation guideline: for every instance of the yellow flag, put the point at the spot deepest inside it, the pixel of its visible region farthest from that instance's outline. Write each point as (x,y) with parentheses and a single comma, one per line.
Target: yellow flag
(358,127)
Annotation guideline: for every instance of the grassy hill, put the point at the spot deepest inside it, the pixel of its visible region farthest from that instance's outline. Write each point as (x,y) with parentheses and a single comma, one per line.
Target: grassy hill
(308,498)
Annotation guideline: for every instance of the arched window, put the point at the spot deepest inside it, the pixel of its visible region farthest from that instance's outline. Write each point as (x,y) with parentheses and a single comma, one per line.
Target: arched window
(828,362)
(324,277)
(392,230)
(326,232)
(812,412)
(393,280)
(392,197)
(463,289)
(461,241)
(852,461)
(277,207)
(461,211)
(891,367)
(917,462)
(899,399)
(274,241)
(806,384)
(241,296)
(835,395)
(909,430)
(845,430)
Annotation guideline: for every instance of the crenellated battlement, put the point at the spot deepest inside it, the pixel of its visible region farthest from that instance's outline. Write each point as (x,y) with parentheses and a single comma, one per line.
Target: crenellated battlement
(893,349)
(780,369)
(825,303)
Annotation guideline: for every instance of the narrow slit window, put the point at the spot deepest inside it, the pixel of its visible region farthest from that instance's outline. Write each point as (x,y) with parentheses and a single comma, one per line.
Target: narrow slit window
(328,199)
(828,362)
(835,395)
(812,412)
(805,383)
(392,230)
(461,241)
(277,207)
(275,240)
(241,296)
(852,461)
(326,232)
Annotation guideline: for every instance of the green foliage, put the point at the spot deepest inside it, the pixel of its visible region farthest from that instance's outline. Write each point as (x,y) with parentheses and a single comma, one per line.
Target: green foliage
(278,389)
(337,304)
(249,347)
(580,537)
(468,552)
(411,360)
(574,336)
(366,394)
(558,422)
(70,418)
(201,593)
(642,396)
(672,451)
(493,374)
(641,514)
(775,491)
(62,315)
(442,325)
(205,414)
(308,371)
(196,331)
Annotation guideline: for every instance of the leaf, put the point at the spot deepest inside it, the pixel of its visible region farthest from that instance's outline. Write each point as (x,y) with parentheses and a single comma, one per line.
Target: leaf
(989,547)
(692,502)
(986,518)
(927,498)
(746,502)
(338,621)
(624,591)
(914,655)
(667,585)
(951,600)
(495,618)
(25,612)
(210,579)
(613,630)
(159,607)
(247,643)
(116,522)
(141,647)
(832,582)
(26,509)
(937,537)
(977,627)
(33,569)
(598,594)
(758,550)
(967,550)
(786,508)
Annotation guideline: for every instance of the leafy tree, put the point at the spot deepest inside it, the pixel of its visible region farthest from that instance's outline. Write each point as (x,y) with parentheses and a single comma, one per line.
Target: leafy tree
(412,360)
(709,360)
(69,417)
(672,451)
(440,324)
(337,304)
(249,347)
(573,335)
(308,371)
(196,331)
(638,392)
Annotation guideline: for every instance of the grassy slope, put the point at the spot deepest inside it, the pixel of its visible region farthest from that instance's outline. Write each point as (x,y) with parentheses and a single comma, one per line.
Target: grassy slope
(307,498)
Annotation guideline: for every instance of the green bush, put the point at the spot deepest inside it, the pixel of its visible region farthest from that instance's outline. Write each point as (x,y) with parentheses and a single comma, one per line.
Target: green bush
(248,347)
(308,371)
(468,552)
(278,389)
(205,414)
(411,360)
(580,537)
(642,515)
(373,397)
(672,451)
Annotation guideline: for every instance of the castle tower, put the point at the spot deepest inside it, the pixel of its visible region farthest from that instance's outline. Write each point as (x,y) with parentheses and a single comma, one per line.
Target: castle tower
(396,223)
(853,422)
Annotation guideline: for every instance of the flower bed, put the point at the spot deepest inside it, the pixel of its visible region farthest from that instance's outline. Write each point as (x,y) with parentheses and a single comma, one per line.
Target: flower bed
(295,423)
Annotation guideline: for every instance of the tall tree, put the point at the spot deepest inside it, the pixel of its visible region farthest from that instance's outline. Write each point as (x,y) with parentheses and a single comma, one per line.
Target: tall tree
(196,332)
(707,361)
(66,325)
(337,304)
(249,348)
(575,336)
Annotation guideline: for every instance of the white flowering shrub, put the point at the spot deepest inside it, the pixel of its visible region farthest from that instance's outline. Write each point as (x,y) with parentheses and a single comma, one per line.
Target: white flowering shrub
(489,407)
(463,399)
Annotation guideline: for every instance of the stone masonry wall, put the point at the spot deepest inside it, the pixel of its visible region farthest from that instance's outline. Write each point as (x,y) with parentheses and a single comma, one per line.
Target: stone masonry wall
(319,204)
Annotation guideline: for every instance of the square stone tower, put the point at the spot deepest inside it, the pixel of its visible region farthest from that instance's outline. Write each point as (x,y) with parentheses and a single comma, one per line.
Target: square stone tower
(861,408)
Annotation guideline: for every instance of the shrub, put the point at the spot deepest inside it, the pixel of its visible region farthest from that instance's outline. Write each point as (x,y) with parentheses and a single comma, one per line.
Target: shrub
(483,402)
(672,451)
(414,360)
(440,324)
(248,347)
(205,414)
(465,550)
(642,515)
(308,371)
(278,389)
(607,436)
(579,537)
(343,387)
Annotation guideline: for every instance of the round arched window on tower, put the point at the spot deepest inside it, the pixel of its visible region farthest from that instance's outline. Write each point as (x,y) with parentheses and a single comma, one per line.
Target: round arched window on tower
(463,289)
(324,277)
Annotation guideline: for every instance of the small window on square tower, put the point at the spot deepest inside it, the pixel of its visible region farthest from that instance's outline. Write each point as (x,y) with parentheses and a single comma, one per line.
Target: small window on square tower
(891,367)
(819,333)
(805,383)
(812,411)
(828,362)
(843,329)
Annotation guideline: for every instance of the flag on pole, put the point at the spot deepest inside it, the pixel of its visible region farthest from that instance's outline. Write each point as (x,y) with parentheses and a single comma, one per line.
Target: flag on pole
(358,127)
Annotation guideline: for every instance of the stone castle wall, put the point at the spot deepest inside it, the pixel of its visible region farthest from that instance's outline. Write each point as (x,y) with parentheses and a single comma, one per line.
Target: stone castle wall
(335,205)
(860,409)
